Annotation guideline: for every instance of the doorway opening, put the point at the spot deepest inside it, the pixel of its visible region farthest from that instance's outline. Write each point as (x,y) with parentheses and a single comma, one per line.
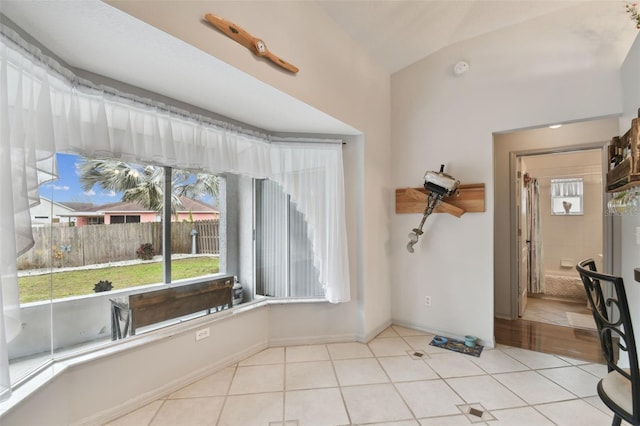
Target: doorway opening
(560,221)
(550,331)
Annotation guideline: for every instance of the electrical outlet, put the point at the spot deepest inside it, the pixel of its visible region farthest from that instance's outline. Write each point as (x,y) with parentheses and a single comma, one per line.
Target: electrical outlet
(202,334)
(427,301)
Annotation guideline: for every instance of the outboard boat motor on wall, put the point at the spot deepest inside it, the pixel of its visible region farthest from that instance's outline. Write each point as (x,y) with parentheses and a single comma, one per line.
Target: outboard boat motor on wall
(439,185)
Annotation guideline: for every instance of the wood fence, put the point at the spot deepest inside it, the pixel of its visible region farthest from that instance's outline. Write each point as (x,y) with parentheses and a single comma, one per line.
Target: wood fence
(60,245)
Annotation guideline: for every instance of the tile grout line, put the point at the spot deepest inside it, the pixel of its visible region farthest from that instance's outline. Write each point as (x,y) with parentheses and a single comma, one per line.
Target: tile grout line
(155,415)
(335,373)
(393,383)
(226,395)
(284,386)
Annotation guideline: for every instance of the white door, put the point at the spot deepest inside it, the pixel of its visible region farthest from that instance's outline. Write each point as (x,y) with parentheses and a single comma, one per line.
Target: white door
(523,238)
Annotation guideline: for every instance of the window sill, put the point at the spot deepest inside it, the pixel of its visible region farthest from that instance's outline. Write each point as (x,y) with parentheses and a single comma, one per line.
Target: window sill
(291,301)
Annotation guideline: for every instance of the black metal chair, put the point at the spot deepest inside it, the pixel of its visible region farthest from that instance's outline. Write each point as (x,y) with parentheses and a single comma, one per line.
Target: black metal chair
(620,388)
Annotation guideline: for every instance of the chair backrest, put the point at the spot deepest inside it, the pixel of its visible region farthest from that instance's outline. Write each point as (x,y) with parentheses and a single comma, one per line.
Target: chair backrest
(612,318)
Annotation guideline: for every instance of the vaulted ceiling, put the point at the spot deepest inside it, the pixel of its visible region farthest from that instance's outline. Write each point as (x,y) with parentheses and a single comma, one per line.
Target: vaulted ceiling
(399,33)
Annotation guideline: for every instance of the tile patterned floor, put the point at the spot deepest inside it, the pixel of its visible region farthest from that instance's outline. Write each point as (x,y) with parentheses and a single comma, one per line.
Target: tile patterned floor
(397,379)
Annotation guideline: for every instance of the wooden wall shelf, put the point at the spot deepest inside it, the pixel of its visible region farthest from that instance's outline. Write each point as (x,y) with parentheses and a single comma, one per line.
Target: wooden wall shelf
(468,199)
(624,159)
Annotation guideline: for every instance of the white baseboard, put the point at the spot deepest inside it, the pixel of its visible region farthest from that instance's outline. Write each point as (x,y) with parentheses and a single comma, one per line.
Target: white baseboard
(503,316)
(407,324)
(365,338)
(312,340)
(140,401)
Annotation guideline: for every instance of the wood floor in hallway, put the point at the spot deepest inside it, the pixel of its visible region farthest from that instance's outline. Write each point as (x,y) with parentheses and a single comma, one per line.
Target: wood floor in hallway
(575,343)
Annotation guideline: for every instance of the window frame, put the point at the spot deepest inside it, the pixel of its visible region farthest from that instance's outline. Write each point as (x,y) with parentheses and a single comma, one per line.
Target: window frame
(100,340)
(126,218)
(575,202)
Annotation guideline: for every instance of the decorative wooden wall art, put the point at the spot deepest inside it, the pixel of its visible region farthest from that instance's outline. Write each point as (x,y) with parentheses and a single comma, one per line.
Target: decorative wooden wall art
(254,44)
(468,199)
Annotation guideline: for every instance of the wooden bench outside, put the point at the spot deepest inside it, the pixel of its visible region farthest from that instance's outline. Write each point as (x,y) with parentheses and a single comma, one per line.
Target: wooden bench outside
(142,309)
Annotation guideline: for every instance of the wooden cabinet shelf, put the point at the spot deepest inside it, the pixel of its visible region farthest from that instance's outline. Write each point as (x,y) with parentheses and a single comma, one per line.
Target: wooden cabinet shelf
(624,160)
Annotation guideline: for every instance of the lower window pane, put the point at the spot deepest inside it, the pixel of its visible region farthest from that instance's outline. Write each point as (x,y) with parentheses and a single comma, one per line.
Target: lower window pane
(99,237)
(195,225)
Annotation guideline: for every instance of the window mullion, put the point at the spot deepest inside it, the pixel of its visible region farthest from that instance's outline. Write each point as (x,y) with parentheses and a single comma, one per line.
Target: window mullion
(166,227)
(287,254)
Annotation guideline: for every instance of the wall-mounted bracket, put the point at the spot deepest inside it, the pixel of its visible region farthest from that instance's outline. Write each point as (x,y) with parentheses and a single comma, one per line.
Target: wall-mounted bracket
(468,199)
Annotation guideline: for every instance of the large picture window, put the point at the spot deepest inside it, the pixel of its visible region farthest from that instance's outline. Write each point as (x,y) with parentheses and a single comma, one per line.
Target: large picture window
(103,241)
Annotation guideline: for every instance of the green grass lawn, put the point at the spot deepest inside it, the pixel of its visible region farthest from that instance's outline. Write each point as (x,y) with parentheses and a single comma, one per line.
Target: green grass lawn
(79,282)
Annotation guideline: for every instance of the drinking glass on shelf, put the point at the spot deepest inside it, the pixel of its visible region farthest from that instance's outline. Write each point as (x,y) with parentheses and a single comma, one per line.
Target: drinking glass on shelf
(625,203)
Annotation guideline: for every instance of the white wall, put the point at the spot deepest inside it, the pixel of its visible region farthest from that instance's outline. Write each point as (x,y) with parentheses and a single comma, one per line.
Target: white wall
(439,118)
(47,209)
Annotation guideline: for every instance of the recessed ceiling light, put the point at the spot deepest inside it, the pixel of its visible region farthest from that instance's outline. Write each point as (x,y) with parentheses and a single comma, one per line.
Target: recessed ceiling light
(555,126)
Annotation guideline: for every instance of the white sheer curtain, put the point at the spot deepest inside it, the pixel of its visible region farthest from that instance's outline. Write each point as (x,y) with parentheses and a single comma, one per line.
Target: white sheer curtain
(535,282)
(45,109)
(566,187)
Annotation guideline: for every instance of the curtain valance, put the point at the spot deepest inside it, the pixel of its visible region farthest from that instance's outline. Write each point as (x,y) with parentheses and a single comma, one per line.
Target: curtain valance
(566,187)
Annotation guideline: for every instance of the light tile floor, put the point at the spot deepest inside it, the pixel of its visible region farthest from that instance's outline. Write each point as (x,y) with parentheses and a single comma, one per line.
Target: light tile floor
(397,379)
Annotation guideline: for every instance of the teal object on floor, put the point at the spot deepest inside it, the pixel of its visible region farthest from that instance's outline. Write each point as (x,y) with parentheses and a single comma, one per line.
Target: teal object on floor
(456,346)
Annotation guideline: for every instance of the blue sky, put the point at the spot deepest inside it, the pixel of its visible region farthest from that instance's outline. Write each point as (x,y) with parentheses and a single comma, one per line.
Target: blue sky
(67,186)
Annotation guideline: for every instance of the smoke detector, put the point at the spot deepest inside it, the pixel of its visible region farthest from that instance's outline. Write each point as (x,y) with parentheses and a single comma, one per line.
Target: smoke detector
(461,68)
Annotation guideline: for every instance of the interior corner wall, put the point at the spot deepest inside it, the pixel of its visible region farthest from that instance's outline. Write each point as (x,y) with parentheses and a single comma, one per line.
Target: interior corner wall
(439,118)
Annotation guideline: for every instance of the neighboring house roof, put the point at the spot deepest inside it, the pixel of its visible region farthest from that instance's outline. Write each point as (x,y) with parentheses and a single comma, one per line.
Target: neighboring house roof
(119,207)
(67,205)
(189,205)
(76,205)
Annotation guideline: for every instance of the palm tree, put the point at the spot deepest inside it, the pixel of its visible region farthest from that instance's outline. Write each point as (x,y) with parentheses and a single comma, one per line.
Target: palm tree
(145,184)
